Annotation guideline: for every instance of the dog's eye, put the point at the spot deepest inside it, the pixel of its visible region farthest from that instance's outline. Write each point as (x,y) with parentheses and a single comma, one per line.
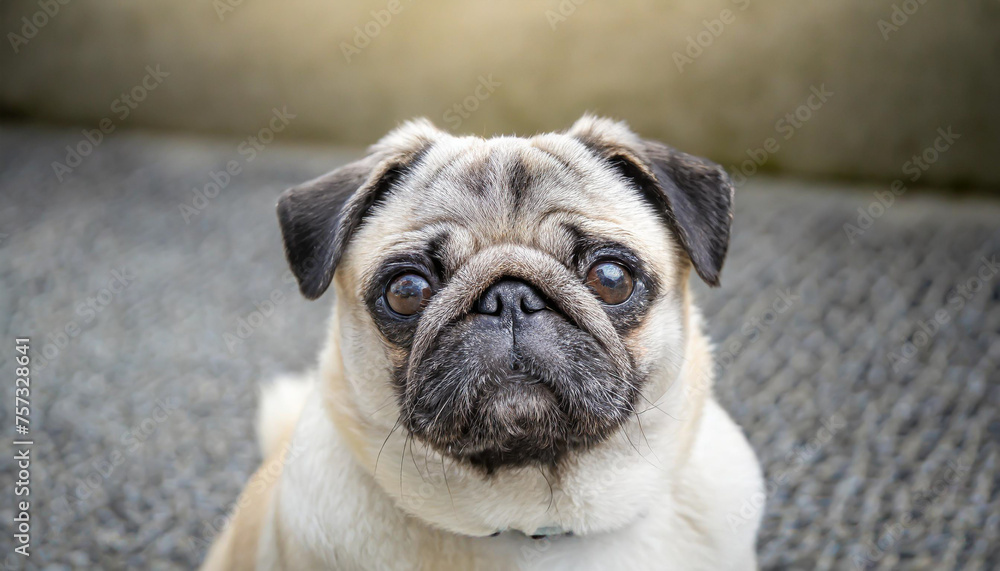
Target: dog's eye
(611,282)
(408,293)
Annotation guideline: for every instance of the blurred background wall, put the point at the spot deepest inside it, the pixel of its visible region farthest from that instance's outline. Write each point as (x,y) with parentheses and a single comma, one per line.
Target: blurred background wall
(855,89)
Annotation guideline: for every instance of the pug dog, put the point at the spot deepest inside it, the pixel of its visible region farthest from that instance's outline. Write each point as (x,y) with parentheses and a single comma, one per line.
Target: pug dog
(515,375)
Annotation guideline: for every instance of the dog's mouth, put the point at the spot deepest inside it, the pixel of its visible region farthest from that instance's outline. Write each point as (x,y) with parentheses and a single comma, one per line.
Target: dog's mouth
(554,398)
(518,420)
(513,421)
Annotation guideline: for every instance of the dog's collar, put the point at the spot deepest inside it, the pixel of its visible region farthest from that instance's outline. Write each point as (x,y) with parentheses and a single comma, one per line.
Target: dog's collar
(540,533)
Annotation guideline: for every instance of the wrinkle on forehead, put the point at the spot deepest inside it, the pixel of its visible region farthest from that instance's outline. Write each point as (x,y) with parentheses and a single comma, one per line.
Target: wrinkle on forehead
(503,189)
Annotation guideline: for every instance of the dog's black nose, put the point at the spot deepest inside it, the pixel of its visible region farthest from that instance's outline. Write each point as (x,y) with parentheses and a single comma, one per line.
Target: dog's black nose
(509,297)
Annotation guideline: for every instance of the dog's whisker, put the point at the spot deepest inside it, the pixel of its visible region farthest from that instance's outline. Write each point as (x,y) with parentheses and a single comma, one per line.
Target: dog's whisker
(387,436)
(444,473)
(413,458)
(653,405)
(402,458)
(643,432)
(391,399)
(551,490)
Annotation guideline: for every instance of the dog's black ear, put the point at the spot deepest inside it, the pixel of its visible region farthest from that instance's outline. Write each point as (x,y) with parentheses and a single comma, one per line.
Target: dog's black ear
(319,217)
(695,196)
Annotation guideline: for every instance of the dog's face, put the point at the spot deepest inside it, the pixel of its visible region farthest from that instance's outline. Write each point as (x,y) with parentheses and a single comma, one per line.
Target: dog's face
(522,291)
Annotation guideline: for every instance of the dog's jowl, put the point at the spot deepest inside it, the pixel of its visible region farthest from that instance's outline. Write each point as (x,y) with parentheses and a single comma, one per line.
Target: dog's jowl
(515,376)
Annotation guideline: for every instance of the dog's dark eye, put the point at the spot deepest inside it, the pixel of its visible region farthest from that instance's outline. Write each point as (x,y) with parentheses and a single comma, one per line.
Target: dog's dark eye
(407,294)
(611,282)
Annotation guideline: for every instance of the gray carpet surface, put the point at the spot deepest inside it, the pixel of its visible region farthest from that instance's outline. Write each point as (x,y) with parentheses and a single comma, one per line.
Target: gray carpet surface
(865,374)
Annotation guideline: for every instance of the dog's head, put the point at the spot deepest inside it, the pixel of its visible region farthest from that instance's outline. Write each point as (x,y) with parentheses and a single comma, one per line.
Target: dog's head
(520,291)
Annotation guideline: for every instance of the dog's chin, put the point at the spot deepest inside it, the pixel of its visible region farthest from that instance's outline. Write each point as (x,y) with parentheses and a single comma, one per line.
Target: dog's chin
(520,424)
(519,421)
